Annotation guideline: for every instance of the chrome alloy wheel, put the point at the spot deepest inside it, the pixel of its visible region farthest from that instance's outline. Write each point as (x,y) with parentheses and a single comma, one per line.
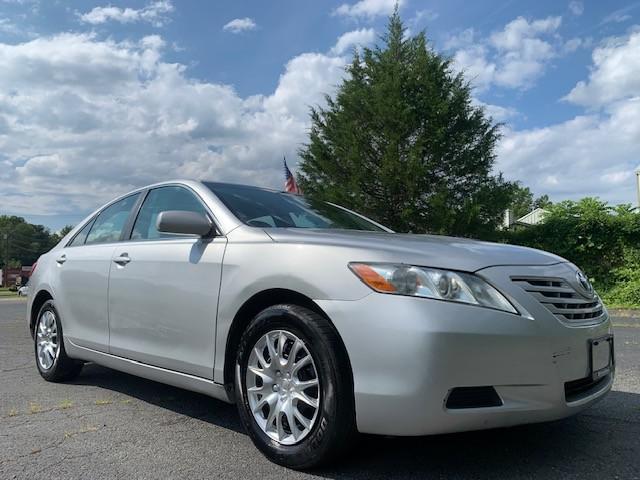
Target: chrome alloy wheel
(48,346)
(283,387)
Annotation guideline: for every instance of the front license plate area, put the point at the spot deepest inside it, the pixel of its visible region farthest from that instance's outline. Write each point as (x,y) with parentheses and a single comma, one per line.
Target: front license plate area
(601,356)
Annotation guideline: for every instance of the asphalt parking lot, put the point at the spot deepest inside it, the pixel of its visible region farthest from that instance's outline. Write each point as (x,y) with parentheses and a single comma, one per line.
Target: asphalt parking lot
(108,424)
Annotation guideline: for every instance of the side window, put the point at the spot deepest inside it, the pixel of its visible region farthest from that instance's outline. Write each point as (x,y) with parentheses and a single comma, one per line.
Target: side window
(109,224)
(160,200)
(81,236)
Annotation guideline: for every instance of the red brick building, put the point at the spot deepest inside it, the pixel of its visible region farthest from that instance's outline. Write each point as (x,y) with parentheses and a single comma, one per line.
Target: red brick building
(13,276)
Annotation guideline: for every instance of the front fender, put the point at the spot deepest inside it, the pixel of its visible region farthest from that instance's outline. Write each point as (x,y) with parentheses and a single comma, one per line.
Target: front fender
(314,271)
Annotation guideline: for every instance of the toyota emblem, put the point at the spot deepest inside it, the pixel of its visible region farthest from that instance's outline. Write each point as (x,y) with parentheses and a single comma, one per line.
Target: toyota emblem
(584,282)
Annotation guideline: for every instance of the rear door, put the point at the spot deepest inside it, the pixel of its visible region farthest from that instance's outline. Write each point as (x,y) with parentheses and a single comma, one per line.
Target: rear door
(82,268)
(163,290)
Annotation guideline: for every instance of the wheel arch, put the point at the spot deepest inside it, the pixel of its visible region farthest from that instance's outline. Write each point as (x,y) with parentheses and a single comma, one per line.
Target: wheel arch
(38,300)
(256,304)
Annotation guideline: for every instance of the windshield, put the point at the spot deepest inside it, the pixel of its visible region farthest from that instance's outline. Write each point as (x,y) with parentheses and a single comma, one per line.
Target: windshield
(267,209)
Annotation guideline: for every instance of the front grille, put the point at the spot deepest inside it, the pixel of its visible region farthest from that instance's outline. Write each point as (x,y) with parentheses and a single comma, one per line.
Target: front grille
(473,397)
(561,299)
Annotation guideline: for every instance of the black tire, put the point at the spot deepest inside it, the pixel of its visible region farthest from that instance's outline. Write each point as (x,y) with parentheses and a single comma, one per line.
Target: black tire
(334,427)
(63,368)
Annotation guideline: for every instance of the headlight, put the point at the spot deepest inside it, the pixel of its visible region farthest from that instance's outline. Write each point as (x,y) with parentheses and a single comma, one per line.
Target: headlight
(431,283)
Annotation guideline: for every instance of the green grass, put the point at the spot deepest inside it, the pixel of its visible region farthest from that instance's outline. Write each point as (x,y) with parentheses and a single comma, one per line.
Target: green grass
(4,292)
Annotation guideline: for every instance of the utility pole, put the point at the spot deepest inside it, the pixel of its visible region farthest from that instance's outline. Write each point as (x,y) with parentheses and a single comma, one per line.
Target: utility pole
(5,237)
(638,185)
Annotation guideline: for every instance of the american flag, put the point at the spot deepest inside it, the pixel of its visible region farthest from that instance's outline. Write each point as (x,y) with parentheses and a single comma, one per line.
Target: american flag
(290,184)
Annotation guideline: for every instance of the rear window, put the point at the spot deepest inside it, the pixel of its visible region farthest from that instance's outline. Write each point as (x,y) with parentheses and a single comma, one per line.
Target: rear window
(81,236)
(110,223)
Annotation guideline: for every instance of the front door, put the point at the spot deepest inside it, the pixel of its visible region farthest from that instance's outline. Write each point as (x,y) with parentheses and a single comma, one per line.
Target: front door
(163,290)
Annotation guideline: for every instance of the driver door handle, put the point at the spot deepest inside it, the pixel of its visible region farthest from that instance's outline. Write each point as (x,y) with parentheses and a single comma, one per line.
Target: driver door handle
(122,260)
(61,259)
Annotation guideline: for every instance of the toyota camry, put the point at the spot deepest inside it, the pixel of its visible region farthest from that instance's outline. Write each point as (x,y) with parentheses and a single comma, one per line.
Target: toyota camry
(317,321)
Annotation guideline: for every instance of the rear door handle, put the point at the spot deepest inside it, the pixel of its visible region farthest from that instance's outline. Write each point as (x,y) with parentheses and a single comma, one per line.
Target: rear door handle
(122,260)
(61,259)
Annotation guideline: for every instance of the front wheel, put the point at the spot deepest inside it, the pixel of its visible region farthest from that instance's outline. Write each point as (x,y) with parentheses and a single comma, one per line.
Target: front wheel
(293,390)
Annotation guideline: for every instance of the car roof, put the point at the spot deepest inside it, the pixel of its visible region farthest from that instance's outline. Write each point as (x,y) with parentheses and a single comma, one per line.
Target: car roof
(213,185)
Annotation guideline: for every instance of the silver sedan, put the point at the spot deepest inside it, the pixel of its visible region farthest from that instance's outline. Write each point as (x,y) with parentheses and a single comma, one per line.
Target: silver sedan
(316,321)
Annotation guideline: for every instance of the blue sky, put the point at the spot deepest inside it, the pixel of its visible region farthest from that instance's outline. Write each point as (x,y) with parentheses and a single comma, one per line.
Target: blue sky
(97,97)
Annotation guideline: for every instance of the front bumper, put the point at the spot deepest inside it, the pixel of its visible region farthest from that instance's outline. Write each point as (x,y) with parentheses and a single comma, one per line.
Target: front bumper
(407,355)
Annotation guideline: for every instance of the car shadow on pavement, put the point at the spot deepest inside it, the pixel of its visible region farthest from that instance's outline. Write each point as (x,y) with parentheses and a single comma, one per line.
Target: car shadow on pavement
(180,401)
(599,442)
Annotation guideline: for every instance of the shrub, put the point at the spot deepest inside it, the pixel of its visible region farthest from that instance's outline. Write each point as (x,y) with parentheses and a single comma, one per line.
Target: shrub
(623,289)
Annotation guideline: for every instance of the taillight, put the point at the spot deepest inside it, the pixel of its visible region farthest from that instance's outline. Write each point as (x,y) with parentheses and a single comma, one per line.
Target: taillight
(33,267)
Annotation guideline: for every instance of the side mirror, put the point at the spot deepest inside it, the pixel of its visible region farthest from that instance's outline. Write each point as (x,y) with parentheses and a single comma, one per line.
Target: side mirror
(183,222)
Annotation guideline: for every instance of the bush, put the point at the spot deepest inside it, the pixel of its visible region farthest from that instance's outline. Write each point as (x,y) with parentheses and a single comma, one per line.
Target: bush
(603,241)
(623,290)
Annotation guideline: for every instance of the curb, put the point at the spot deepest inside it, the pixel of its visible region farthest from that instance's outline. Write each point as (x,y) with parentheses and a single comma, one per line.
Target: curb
(624,312)
(625,317)
(13,299)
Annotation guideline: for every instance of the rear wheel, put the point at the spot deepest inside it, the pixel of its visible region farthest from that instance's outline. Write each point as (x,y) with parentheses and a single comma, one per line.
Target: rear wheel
(51,358)
(293,390)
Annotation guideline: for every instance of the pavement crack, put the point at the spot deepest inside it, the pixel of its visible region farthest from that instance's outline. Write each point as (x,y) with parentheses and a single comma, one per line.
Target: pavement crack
(26,366)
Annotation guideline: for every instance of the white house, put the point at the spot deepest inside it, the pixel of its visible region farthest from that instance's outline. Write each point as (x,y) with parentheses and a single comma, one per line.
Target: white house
(532,218)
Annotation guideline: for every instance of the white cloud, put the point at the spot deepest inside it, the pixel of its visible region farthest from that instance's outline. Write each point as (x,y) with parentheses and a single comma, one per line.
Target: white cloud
(616,17)
(572,45)
(238,25)
(428,15)
(361,37)
(478,69)
(84,119)
(523,53)
(497,112)
(154,13)
(618,177)
(460,40)
(620,15)
(518,32)
(615,74)
(8,27)
(306,79)
(514,57)
(576,7)
(368,8)
(589,155)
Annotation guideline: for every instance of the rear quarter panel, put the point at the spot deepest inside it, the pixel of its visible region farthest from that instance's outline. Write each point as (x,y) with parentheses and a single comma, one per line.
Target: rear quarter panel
(41,280)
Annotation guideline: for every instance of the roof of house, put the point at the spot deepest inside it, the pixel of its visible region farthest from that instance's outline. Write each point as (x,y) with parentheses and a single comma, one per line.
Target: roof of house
(534,217)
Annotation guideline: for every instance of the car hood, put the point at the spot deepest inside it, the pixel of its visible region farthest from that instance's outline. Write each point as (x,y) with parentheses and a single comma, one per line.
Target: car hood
(425,250)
